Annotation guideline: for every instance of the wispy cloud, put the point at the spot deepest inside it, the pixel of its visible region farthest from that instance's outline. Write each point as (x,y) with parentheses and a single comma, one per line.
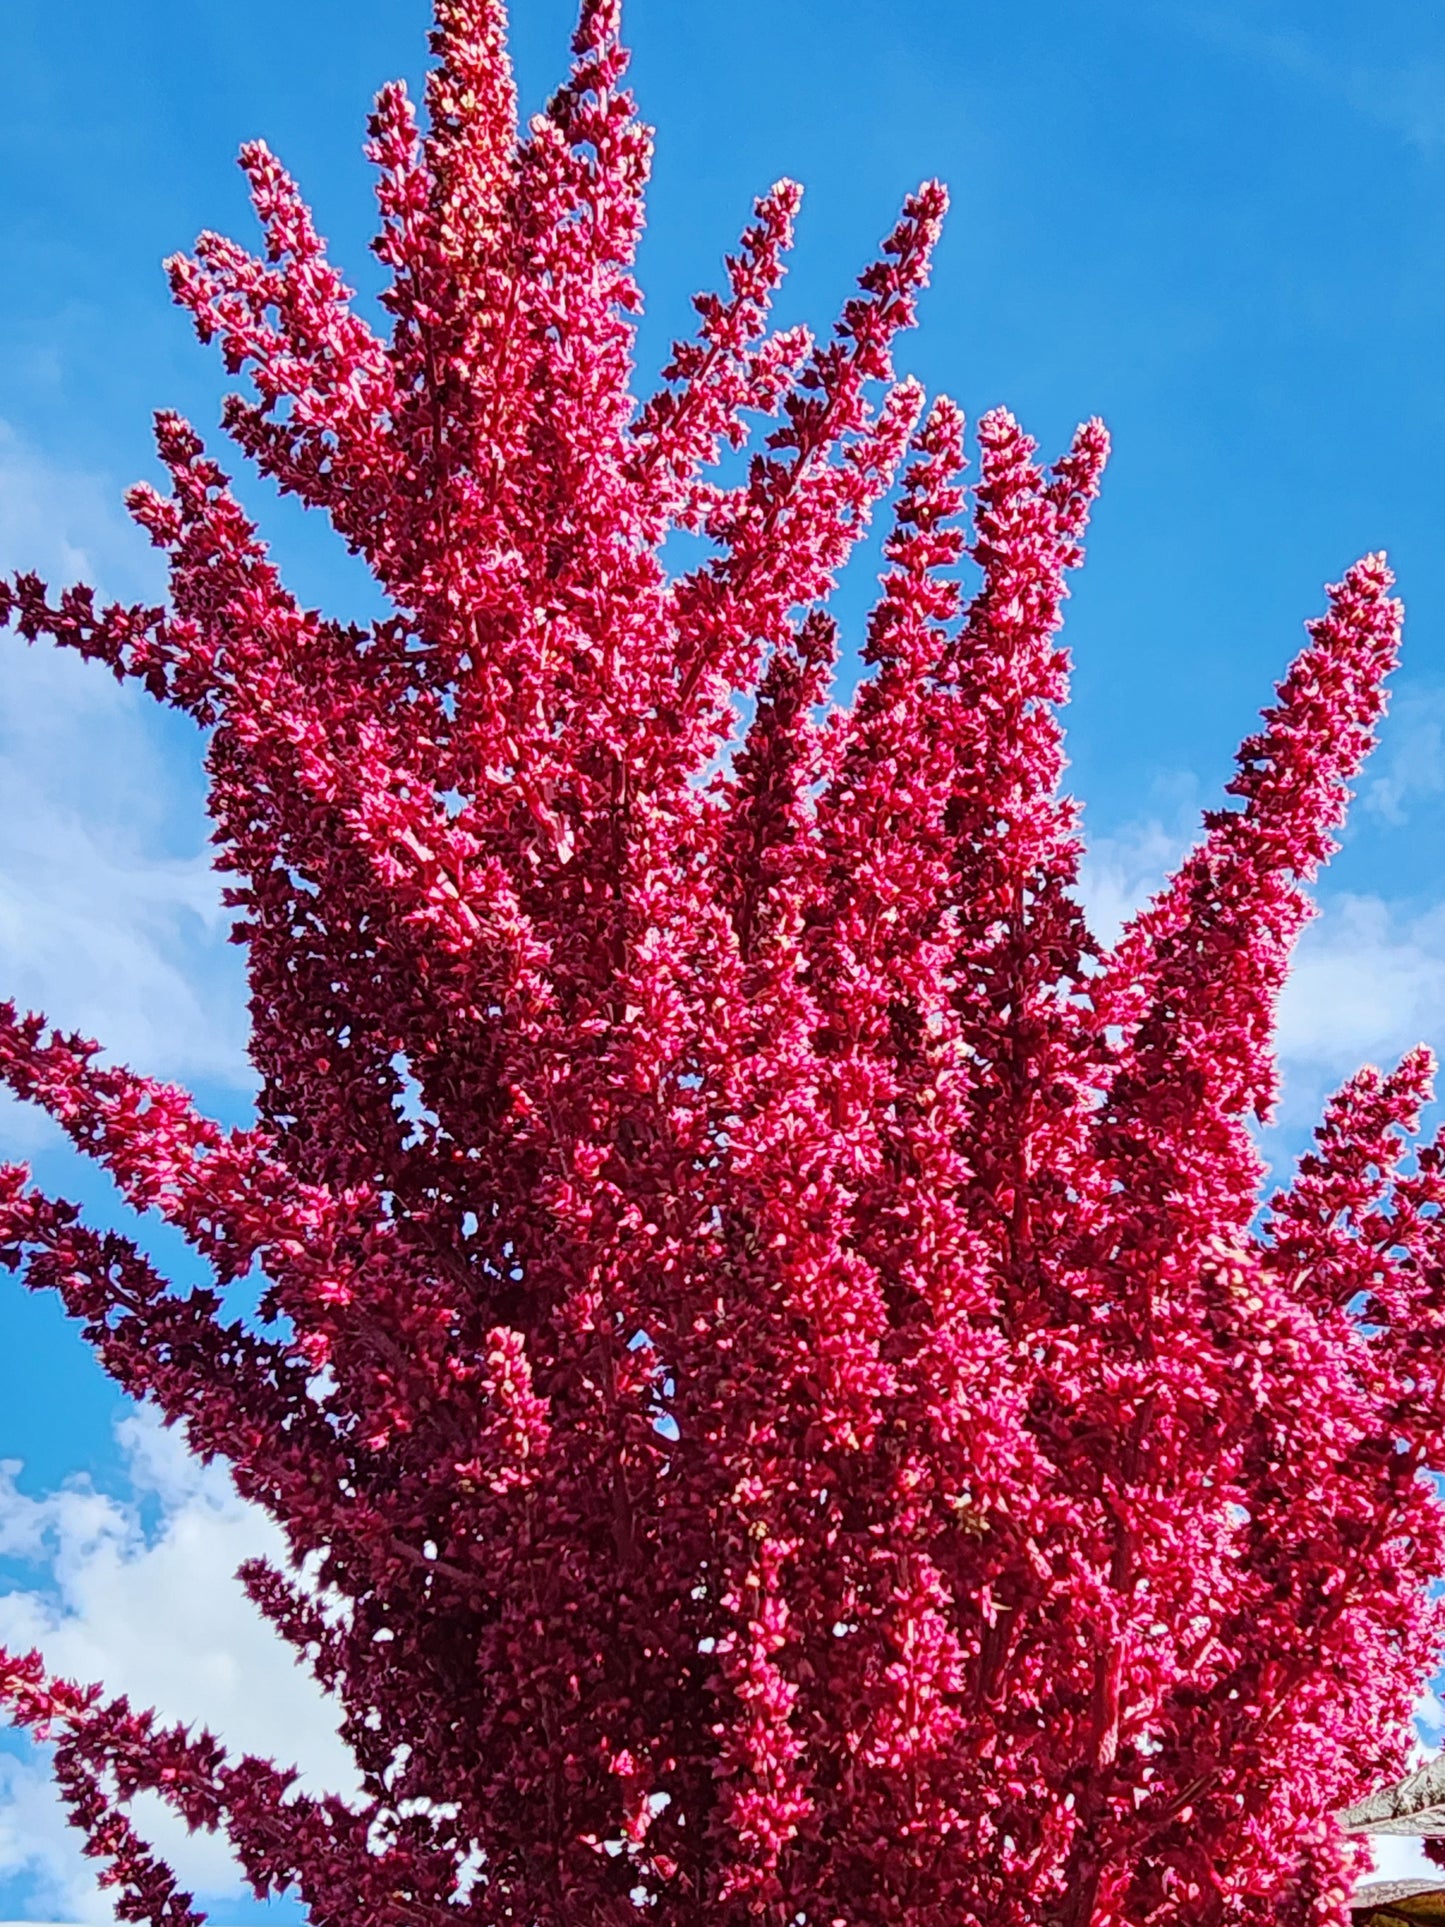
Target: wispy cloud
(107,921)
(1408,100)
(1121,872)
(1409,765)
(69,524)
(155,1613)
(1368,983)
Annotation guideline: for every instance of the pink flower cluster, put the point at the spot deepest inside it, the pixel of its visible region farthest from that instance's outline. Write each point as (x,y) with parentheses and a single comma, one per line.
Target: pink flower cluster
(768,1345)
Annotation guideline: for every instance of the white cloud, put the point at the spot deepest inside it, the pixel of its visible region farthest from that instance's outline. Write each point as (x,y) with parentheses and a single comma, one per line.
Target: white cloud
(105,923)
(110,921)
(1120,873)
(1368,978)
(69,525)
(156,1615)
(1367,984)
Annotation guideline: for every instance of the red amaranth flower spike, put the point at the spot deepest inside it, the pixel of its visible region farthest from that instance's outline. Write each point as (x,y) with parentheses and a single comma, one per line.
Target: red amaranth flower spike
(768,1365)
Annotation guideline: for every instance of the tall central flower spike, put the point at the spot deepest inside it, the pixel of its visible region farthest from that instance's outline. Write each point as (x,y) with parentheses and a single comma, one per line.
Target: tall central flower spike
(804,1422)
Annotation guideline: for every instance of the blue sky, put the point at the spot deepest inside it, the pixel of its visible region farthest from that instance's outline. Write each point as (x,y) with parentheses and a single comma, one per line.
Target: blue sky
(1221,226)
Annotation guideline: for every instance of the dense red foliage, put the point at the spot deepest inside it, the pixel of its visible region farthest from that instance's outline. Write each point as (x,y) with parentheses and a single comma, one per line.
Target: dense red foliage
(766,1330)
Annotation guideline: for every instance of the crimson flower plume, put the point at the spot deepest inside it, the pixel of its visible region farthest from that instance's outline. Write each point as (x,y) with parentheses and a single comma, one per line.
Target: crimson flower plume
(782,1400)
